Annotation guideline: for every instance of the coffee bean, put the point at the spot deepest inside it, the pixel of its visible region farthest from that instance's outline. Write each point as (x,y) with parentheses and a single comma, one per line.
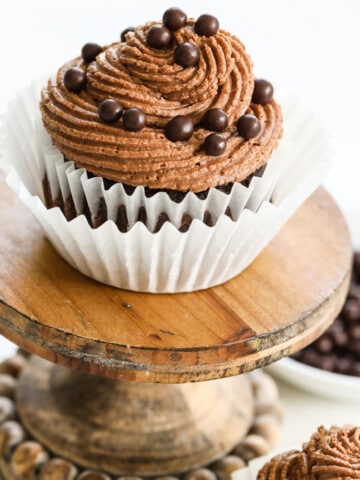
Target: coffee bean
(248,126)
(215,119)
(263,92)
(110,111)
(179,128)
(187,55)
(206,25)
(357,264)
(134,119)
(324,344)
(158,36)
(90,51)
(124,32)
(174,18)
(75,79)
(351,311)
(343,365)
(215,144)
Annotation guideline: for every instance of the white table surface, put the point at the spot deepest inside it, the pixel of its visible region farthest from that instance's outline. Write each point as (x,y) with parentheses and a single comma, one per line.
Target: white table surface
(308,47)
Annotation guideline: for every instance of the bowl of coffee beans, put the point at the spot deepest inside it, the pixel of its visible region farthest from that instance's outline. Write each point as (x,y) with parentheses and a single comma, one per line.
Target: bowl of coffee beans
(330,366)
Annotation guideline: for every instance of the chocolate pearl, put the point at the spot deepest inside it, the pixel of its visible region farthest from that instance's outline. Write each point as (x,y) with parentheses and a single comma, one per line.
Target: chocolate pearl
(158,36)
(351,311)
(263,92)
(215,119)
(124,32)
(134,119)
(179,128)
(248,126)
(215,144)
(174,18)
(354,291)
(206,25)
(110,111)
(340,339)
(187,54)
(90,51)
(75,79)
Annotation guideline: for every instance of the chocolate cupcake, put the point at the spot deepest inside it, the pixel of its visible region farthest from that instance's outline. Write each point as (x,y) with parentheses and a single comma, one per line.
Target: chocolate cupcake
(156,171)
(330,454)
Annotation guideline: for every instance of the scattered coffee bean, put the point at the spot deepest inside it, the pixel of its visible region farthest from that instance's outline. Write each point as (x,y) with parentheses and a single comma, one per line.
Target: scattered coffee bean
(174,18)
(206,25)
(159,36)
(263,92)
(338,349)
(179,128)
(248,126)
(75,79)
(187,55)
(215,144)
(90,51)
(110,111)
(124,32)
(134,119)
(215,119)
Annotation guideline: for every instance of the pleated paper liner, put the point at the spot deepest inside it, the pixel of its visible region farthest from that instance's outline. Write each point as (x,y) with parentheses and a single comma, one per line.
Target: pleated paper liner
(169,260)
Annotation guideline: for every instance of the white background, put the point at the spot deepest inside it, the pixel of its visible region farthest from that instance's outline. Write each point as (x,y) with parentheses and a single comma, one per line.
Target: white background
(307,47)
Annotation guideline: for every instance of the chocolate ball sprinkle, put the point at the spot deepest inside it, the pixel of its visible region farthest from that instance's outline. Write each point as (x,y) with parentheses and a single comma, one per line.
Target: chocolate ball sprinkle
(174,18)
(215,119)
(90,51)
(134,119)
(248,126)
(75,79)
(207,25)
(124,32)
(215,144)
(263,92)
(187,55)
(110,110)
(179,128)
(158,36)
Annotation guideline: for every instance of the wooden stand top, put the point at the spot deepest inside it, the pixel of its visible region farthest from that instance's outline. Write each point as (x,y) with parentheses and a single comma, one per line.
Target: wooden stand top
(283,301)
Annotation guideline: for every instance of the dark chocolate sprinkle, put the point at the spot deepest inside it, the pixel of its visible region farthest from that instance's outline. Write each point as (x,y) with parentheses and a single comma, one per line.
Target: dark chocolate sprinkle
(248,126)
(90,51)
(159,36)
(134,119)
(207,25)
(187,55)
(179,128)
(124,32)
(110,111)
(215,144)
(75,79)
(174,18)
(215,119)
(263,92)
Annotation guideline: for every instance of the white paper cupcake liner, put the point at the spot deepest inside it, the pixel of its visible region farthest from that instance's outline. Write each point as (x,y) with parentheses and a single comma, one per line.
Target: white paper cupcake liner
(169,260)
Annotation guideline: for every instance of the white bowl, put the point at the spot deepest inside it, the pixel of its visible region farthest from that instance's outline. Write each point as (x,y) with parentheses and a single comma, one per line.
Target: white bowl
(316,381)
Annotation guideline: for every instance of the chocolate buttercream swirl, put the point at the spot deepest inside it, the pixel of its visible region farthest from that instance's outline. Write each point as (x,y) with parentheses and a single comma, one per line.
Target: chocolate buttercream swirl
(332,454)
(137,75)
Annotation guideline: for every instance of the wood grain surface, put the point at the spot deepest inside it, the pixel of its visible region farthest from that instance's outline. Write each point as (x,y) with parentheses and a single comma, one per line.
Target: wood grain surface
(129,427)
(284,300)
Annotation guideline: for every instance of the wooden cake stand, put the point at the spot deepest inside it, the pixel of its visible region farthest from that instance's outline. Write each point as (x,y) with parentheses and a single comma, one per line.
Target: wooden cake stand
(132,403)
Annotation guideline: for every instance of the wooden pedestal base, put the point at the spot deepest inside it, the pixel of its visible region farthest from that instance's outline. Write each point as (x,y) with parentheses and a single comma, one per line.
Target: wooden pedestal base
(126,428)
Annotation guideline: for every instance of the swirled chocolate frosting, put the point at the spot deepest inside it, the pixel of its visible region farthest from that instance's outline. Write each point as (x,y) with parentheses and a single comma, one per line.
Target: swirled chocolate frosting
(137,75)
(332,454)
